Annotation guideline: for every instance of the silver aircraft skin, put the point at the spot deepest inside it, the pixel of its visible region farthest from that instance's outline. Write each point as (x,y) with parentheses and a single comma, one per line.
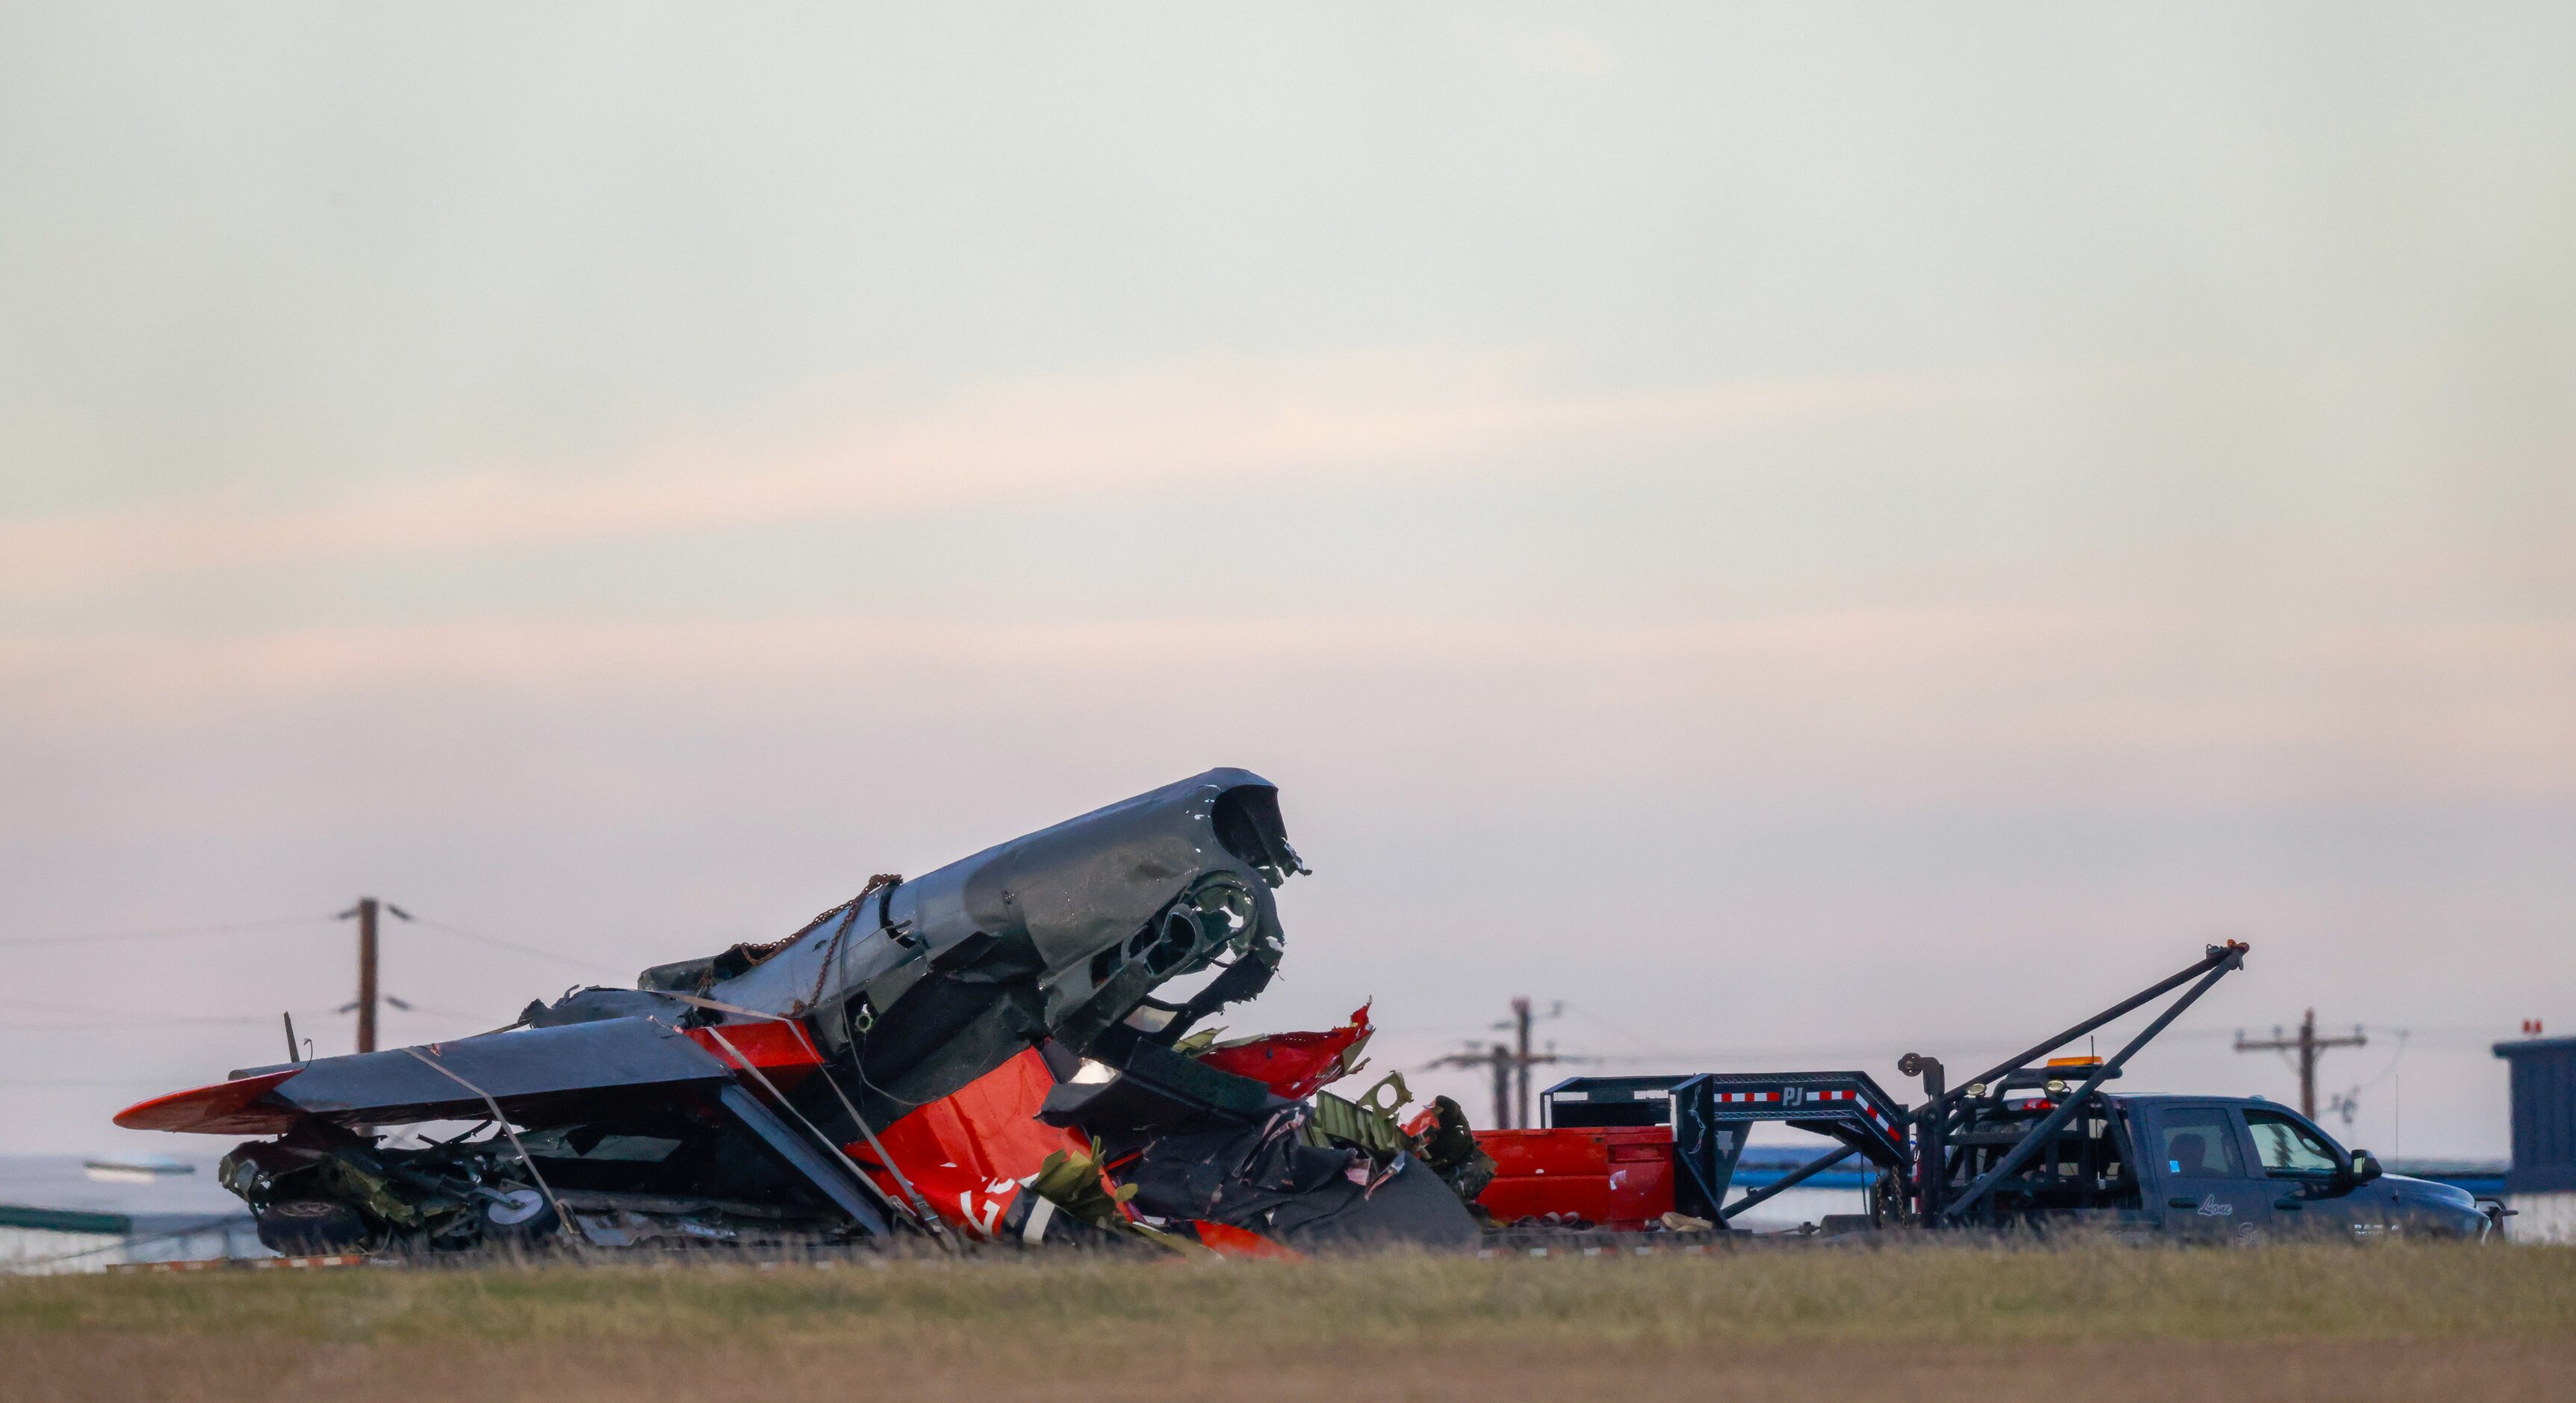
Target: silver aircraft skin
(934,981)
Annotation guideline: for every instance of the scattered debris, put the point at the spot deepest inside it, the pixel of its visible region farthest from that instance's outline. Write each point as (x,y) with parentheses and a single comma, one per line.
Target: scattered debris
(978,1058)
(976,1055)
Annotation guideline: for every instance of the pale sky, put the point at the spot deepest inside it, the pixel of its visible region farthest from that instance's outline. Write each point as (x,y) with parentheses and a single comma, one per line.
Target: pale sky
(1802,535)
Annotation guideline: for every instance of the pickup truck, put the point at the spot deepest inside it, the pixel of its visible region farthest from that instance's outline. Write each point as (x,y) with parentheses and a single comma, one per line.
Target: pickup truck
(2205,1168)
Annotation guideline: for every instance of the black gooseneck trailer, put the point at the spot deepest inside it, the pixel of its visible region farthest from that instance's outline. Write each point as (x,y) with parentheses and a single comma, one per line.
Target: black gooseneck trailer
(1968,1155)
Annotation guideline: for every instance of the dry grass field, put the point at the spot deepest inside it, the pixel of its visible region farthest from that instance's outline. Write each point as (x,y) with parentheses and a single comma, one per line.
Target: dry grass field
(2099,1323)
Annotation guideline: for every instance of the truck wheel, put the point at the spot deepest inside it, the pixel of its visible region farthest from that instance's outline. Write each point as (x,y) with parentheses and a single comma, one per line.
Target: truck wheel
(307,1227)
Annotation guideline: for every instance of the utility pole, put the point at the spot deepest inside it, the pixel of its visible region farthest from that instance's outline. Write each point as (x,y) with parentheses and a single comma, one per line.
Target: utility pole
(1523,1059)
(1511,1063)
(1499,1059)
(2309,1047)
(365,911)
(366,974)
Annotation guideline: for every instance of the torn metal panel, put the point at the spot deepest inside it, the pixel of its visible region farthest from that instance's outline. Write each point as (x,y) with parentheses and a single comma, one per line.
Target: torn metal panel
(1406,1205)
(593,1004)
(1367,1124)
(1271,1180)
(1158,1089)
(1295,1065)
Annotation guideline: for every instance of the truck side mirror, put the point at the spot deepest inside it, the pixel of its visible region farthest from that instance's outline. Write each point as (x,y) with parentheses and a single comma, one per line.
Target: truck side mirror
(2365,1167)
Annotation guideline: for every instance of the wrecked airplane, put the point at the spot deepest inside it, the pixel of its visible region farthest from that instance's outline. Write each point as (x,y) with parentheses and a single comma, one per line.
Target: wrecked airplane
(973,1055)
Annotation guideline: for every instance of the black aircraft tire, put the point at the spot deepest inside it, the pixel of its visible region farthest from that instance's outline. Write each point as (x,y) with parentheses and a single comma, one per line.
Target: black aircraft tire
(521,1215)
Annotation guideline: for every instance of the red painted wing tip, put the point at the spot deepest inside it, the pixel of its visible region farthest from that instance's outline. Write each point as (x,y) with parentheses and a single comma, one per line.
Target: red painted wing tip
(224,1108)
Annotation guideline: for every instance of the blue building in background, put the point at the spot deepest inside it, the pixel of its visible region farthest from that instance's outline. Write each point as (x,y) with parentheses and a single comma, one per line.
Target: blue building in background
(2541,1185)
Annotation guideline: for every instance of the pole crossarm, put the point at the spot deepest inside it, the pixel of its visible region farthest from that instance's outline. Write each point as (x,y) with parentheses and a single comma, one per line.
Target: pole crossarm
(2309,1047)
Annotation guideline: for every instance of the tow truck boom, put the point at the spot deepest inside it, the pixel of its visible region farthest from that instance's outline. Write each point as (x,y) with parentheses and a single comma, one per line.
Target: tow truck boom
(1934,1120)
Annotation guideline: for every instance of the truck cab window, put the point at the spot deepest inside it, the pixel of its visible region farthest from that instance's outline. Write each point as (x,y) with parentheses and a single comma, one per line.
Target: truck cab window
(2289,1150)
(2200,1143)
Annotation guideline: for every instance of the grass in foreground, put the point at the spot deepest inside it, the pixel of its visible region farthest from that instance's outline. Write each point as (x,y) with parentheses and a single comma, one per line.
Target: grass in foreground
(2303,1321)
(1936,1293)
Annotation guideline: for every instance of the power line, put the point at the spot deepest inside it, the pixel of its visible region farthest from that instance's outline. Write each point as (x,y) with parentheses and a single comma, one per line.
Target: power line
(428,1011)
(367,910)
(1616,1030)
(48,1083)
(90,1019)
(498,943)
(166,933)
(58,1006)
(1753,1057)
(132,1025)
(289,922)
(126,1024)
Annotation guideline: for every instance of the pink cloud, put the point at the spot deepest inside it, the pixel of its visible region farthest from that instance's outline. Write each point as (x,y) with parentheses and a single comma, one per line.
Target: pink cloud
(1050,440)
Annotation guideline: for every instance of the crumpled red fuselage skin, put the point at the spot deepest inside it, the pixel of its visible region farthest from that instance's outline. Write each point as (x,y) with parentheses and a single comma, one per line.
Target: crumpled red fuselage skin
(968,1152)
(971,1152)
(1294,1065)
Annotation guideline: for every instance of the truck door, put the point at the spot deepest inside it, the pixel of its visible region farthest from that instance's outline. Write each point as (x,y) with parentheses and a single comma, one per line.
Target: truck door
(2207,1193)
(2315,1190)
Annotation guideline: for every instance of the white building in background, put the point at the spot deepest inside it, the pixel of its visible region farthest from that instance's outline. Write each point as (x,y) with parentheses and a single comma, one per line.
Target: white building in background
(66,1213)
